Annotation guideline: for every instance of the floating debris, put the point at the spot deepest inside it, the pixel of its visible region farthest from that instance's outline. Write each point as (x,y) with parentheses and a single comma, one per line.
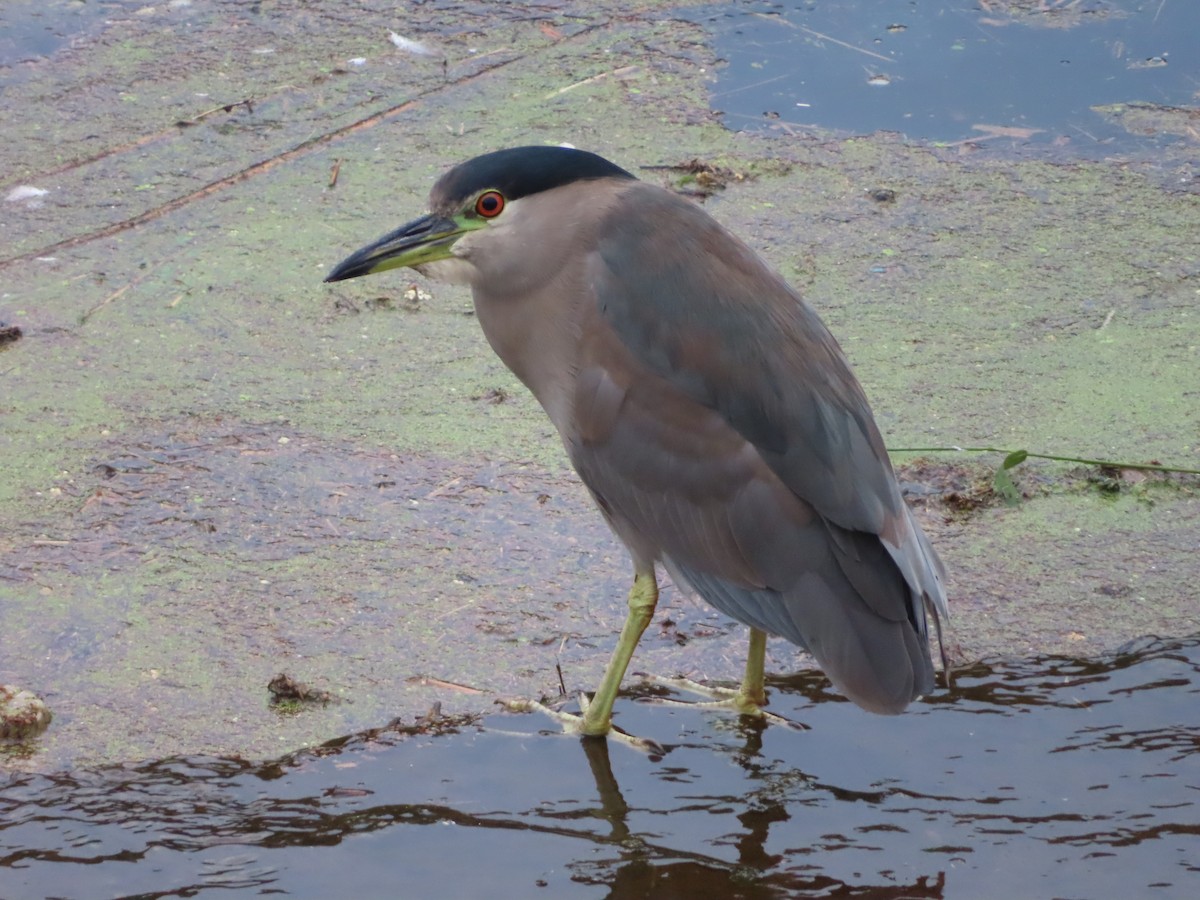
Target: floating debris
(286,689)
(702,179)
(408,45)
(1153,119)
(414,296)
(1152,62)
(25,192)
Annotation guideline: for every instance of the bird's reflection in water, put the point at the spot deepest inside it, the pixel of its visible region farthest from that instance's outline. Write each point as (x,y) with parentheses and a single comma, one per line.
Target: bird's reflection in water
(643,867)
(1083,770)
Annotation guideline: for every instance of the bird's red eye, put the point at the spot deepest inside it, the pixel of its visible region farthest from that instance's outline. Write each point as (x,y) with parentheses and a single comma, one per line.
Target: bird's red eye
(490,204)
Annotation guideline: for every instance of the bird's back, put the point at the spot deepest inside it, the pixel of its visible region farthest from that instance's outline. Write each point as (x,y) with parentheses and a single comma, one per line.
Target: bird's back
(721,430)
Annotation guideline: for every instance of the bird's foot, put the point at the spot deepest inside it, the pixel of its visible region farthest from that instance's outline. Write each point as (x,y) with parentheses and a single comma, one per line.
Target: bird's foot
(735,701)
(581,725)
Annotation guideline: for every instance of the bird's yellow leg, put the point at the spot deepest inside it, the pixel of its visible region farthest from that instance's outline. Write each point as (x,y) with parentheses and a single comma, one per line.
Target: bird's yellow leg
(643,597)
(747,700)
(596,719)
(753,693)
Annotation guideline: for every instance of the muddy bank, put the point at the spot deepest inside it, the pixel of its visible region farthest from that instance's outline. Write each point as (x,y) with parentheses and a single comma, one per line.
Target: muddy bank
(215,468)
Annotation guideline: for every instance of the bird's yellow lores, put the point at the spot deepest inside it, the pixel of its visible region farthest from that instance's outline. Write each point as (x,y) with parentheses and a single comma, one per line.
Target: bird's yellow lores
(712,416)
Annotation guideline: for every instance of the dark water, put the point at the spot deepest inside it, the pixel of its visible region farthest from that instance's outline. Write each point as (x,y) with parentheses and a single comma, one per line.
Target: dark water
(36,29)
(1051,778)
(933,70)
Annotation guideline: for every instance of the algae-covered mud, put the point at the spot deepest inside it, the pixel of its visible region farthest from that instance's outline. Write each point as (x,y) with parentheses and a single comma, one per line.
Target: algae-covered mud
(214,469)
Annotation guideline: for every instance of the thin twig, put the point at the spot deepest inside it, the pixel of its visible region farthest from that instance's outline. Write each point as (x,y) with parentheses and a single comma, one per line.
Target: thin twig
(427,681)
(115,295)
(823,37)
(826,37)
(1105,463)
(226,107)
(624,70)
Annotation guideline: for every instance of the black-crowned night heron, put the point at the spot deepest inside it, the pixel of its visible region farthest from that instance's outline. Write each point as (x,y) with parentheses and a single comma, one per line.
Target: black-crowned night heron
(711,415)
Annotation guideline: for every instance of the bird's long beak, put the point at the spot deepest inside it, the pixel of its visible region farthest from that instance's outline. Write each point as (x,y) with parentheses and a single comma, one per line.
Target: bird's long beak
(423,240)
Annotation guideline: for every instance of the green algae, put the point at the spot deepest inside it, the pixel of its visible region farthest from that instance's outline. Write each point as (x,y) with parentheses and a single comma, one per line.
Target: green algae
(216,468)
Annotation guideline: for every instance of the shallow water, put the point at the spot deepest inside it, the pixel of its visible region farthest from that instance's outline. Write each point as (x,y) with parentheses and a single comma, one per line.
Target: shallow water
(1051,777)
(35,29)
(937,71)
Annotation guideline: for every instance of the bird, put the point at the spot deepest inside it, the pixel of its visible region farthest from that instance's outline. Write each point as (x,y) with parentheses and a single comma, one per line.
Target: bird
(709,412)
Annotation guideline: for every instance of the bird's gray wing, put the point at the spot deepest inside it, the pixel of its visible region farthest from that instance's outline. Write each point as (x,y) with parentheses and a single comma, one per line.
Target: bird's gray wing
(703,311)
(720,429)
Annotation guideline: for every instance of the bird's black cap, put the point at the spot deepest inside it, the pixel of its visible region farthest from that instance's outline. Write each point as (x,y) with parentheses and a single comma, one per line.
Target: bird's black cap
(522,171)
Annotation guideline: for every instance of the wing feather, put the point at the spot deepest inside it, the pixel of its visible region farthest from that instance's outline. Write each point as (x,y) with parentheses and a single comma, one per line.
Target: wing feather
(721,430)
